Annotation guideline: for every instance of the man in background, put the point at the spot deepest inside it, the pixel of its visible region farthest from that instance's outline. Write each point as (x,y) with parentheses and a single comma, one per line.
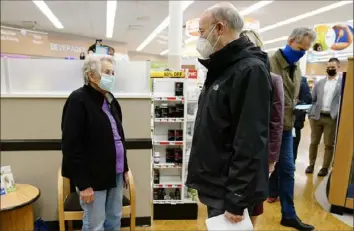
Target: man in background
(323,116)
(300,115)
(228,164)
(284,62)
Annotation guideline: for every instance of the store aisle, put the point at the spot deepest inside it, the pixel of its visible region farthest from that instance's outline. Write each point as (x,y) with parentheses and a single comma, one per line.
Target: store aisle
(307,207)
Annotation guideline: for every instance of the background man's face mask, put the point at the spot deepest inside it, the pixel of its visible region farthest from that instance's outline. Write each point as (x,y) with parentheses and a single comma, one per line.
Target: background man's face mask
(204,47)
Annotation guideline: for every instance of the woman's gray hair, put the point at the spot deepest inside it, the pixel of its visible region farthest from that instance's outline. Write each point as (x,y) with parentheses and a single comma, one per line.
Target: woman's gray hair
(254,37)
(93,62)
(228,14)
(299,33)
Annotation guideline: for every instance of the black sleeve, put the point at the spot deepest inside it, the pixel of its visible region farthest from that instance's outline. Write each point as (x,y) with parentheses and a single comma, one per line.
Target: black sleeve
(305,96)
(251,110)
(73,141)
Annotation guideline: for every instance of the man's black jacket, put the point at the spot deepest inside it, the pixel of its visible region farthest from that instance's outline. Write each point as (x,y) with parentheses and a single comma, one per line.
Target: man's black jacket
(229,155)
(304,98)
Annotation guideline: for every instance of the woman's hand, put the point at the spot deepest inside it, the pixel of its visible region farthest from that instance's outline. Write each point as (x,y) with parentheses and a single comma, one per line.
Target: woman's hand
(87,195)
(126,180)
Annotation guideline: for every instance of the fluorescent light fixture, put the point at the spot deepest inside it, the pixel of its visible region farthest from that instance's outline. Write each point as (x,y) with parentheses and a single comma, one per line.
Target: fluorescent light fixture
(111,16)
(282,38)
(43,7)
(246,11)
(255,7)
(163,25)
(164,52)
(306,15)
(273,49)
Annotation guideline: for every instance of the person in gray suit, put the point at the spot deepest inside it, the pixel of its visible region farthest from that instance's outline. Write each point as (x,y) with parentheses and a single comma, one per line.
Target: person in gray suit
(323,115)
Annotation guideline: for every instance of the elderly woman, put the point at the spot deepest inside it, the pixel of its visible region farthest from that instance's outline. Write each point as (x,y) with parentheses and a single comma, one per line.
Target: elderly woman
(276,120)
(94,154)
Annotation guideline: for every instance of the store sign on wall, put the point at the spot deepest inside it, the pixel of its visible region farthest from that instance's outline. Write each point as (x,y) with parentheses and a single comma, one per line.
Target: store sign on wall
(21,41)
(21,35)
(66,48)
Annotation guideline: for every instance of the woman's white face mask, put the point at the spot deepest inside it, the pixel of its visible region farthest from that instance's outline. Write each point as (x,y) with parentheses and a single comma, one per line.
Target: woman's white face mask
(204,47)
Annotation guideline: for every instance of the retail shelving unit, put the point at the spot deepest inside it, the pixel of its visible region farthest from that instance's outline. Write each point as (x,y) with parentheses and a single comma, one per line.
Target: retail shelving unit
(170,123)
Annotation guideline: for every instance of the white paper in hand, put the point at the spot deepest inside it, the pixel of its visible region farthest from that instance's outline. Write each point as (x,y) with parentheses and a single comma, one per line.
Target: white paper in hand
(222,223)
(303,106)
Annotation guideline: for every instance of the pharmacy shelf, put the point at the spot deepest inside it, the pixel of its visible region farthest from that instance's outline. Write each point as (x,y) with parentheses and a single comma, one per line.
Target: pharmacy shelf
(168,185)
(169,120)
(169,126)
(167,165)
(170,98)
(166,143)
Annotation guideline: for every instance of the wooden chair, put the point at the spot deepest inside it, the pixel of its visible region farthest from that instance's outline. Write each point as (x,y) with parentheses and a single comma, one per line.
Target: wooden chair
(69,208)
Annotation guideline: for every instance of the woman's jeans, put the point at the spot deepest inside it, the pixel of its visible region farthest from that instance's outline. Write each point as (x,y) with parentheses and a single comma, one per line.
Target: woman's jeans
(281,181)
(105,212)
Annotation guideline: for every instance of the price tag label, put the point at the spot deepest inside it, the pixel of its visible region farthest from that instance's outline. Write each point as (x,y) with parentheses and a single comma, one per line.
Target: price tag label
(167,74)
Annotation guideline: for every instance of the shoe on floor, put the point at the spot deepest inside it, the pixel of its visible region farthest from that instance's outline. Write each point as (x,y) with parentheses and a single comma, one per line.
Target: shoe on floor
(272,199)
(323,172)
(309,169)
(296,223)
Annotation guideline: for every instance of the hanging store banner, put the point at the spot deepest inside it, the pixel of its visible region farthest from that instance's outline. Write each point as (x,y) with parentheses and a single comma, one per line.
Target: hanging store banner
(192,27)
(335,37)
(332,40)
(251,24)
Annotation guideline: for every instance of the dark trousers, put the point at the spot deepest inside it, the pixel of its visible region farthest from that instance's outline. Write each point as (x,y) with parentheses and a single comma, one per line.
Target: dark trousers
(296,141)
(212,212)
(281,181)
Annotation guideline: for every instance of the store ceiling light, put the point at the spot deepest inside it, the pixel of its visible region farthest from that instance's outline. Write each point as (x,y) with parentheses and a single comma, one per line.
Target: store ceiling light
(255,7)
(306,15)
(282,38)
(163,25)
(111,17)
(164,52)
(43,7)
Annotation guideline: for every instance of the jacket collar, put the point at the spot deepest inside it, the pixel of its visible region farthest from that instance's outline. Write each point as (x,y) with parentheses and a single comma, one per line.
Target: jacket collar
(227,55)
(95,95)
(282,60)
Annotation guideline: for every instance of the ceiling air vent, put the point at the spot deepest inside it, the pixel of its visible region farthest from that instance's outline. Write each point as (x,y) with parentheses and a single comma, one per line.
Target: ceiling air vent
(135,27)
(143,18)
(29,24)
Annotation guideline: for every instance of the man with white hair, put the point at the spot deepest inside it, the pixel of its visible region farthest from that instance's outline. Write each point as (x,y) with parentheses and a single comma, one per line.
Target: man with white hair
(228,163)
(284,62)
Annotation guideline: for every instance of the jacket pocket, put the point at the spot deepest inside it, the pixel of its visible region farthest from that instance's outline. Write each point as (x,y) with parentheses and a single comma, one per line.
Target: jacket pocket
(288,118)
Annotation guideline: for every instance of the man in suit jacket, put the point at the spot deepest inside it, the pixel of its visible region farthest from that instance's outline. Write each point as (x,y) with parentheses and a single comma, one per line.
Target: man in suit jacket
(323,115)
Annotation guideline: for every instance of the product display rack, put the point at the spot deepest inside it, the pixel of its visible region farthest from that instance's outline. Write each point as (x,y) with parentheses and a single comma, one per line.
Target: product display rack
(170,123)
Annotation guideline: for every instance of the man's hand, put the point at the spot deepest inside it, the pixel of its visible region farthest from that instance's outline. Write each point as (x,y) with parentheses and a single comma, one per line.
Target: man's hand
(87,195)
(126,180)
(271,166)
(233,218)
